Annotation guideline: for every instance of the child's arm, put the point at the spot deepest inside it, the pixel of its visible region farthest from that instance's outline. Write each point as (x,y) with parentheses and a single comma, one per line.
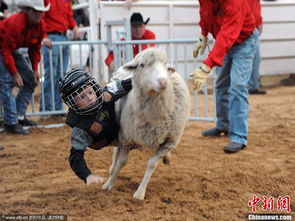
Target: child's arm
(78,164)
(117,89)
(80,140)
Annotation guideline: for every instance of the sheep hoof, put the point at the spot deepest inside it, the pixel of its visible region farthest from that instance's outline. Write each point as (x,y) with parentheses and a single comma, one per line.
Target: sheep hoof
(166,159)
(139,195)
(107,186)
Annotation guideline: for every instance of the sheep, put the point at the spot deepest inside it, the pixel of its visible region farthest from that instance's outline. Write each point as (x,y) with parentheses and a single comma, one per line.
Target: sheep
(152,116)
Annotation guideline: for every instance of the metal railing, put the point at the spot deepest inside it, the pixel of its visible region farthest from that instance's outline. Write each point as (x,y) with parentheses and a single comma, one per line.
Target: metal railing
(179,55)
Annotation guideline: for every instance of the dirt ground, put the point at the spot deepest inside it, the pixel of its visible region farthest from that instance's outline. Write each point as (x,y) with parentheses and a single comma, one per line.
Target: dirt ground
(202,182)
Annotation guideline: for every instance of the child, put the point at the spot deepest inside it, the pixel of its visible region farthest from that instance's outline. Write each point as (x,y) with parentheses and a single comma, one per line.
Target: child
(91,115)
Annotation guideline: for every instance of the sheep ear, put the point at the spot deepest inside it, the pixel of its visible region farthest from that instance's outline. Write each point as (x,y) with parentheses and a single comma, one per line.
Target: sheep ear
(130,65)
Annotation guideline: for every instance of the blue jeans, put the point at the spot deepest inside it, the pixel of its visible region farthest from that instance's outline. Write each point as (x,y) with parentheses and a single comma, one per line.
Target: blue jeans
(231,89)
(51,95)
(254,82)
(16,106)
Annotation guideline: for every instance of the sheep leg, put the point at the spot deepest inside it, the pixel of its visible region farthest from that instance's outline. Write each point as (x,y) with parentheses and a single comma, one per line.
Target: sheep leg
(152,164)
(121,161)
(114,159)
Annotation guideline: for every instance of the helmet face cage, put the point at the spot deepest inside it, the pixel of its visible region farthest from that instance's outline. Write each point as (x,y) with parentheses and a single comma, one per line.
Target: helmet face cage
(70,99)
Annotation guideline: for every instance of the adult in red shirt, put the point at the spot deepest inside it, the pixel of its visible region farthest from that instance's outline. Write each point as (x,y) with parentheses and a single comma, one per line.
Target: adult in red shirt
(58,20)
(24,29)
(232,24)
(254,81)
(138,32)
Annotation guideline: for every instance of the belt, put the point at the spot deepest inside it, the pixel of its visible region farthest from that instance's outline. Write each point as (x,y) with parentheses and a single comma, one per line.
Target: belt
(57,33)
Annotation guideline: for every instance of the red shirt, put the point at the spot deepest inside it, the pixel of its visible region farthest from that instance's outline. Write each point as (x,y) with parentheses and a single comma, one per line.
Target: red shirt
(148,35)
(15,33)
(255,7)
(229,21)
(60,16)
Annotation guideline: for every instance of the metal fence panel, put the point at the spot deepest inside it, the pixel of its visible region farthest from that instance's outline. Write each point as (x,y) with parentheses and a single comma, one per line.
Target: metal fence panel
(178,52)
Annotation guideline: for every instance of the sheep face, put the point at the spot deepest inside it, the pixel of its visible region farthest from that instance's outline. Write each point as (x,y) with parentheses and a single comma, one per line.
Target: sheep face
(152,79)
(150,71)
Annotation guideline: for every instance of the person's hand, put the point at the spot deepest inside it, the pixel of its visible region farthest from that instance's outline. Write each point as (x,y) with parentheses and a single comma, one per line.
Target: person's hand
(200,75)
(260,28)
(47,42)
(200,46)
(76,33)
(36,75)
(18,81)
(92,179)
(107,96)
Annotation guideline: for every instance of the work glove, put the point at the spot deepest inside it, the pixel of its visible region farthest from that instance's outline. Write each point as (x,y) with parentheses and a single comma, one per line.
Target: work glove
(200,75)
(200,46)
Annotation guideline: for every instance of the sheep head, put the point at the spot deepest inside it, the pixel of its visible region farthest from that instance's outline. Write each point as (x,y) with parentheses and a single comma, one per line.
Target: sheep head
(150,71)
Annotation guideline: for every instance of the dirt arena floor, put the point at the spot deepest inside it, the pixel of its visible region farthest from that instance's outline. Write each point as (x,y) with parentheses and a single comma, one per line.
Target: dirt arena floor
(202,182)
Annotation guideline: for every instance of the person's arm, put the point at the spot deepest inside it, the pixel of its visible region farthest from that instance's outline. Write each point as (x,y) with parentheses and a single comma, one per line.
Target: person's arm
(202,43)
(35,56)
(9,62)
(117,89)
(233,19)
(35,51)
(109,61)
(202,23)
(80,139)
(255,7)
(78,164)
(9,45)
(259,19)
(72,23)
(70,15)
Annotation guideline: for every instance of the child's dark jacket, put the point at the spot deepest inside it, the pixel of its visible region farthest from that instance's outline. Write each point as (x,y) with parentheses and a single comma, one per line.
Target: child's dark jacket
(95,131)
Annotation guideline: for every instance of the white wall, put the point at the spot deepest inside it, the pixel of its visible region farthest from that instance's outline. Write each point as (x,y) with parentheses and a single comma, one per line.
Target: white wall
(179,20)
(278,38)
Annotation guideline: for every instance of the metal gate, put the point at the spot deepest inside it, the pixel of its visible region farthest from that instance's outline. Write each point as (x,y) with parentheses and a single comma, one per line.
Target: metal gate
(179,54)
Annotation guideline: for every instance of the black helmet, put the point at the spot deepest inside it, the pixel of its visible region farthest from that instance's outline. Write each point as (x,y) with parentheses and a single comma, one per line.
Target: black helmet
(73,83)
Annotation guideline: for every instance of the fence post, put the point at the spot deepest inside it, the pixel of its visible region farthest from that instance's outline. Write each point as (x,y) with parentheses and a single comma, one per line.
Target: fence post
(94,23)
